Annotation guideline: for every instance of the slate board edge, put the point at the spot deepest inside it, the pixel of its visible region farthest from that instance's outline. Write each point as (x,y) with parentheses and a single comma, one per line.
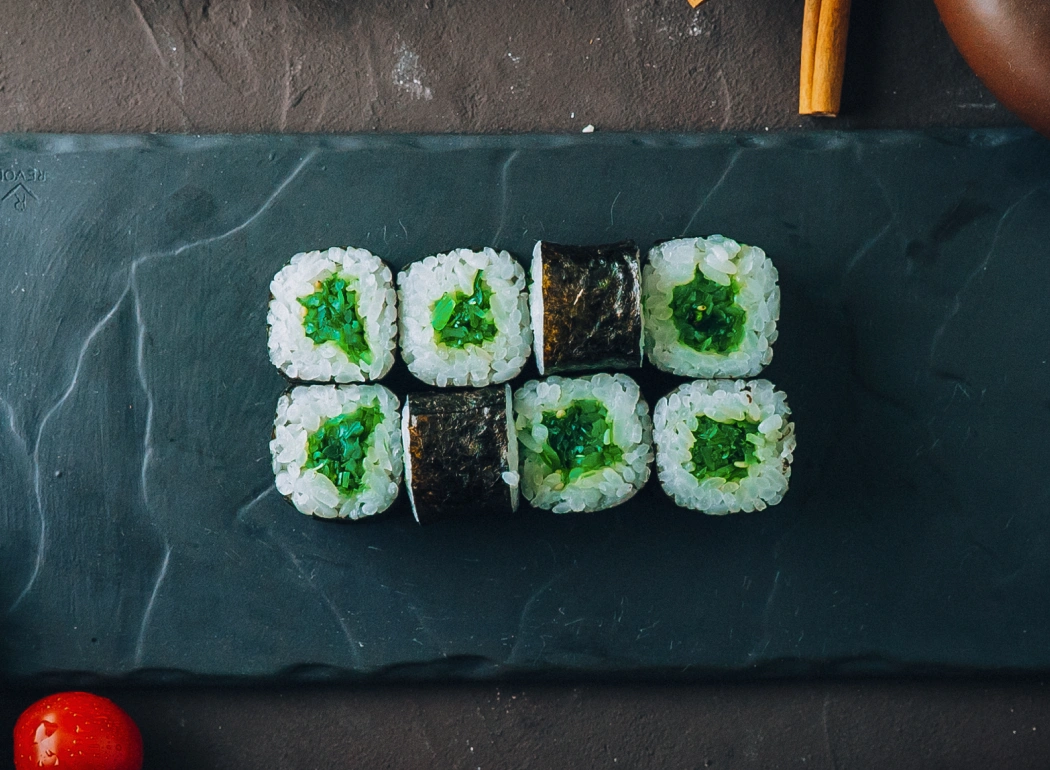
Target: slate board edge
(72,143)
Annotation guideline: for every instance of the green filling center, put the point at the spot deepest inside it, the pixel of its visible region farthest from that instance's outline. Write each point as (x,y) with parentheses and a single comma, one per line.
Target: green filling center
(461,320)
(707,316)
(579,440)
(337,449)
(331,316)
(723,449)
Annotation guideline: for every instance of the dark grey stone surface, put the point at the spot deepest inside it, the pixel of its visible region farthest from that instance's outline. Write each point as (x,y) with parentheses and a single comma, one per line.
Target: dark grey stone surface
(467,66)
(135,489)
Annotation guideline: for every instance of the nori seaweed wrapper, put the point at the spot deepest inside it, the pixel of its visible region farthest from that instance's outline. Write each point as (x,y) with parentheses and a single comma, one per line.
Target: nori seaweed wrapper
(592,307)
(459,446)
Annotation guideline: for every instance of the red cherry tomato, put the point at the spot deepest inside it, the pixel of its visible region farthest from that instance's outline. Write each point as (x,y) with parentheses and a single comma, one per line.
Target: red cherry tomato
(77,731)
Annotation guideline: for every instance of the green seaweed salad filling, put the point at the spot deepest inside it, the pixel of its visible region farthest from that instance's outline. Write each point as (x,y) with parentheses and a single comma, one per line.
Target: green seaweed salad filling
(331,316)
(461,319)
(707,316)
(579,440)
(338,448)
(723,449)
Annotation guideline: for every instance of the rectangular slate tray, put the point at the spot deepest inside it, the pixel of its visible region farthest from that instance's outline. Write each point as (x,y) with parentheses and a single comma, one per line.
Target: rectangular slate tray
(142,536)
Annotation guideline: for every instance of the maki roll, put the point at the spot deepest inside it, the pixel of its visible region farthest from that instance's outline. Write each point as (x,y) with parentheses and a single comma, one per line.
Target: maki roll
(586,307)
(332,317)
(711,307)
(586,442)
(724,446)
(335,449)
(464,318)
(461,454)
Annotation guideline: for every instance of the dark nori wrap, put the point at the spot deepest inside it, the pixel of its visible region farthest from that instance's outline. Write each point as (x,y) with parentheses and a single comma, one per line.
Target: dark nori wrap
(459,446)
(592,307)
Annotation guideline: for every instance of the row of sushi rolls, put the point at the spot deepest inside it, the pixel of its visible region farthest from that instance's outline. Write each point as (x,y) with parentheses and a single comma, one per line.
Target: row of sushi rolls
(466,321)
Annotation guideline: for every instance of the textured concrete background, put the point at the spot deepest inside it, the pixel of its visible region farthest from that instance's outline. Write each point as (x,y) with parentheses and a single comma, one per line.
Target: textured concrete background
(545,65)
(942,726)
(464,65)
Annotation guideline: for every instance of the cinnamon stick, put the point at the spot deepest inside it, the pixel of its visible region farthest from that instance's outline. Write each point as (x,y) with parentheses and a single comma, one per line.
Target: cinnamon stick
(810,19)
(825,25)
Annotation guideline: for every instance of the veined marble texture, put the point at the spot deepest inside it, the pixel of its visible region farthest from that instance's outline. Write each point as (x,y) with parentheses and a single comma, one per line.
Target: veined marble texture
(141,535)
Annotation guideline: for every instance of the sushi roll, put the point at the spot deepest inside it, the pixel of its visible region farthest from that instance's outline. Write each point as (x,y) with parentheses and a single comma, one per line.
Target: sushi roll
(461,453)
(464,318)
(586,442)
(724,446)
(586,307)
(711,307)
(335,449)
(332,317)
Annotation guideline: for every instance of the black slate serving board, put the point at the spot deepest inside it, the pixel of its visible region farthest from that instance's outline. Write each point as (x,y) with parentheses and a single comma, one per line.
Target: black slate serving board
(141,533)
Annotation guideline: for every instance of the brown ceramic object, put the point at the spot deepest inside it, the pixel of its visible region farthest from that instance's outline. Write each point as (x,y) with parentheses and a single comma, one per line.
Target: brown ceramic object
(1007,43)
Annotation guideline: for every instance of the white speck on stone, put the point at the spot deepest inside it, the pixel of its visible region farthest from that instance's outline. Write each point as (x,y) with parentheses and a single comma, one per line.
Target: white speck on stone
(408,74)
(588,129)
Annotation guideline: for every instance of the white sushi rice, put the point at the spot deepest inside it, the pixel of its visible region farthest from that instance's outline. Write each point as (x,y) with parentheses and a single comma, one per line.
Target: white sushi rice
(536,302)
(498,359)
(299,414)
(299,357)
(512,477)
(675,419)
(723,261)
(406,453)
(631,432)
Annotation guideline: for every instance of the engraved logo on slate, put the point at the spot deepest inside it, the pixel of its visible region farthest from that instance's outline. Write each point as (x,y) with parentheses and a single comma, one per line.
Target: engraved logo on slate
(18,194)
